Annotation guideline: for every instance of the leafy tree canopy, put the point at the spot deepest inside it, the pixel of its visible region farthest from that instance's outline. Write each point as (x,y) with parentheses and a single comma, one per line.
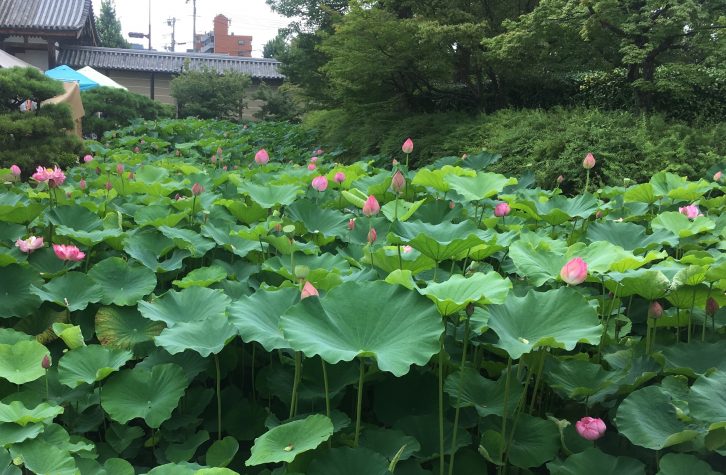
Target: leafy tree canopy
(109,27)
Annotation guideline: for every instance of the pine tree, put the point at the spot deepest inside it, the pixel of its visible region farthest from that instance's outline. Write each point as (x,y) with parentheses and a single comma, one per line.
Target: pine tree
(109,27)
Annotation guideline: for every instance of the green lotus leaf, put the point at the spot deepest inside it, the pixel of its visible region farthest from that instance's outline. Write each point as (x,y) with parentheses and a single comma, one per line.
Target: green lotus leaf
(186,449)
(47,263)
(17,413)
(459,291)
(141,393)
(696,358)
(284,442)
(11,433)
(183,468)
(468,388)
(403,278)
(219,471)
(358,461)
(73,290)
(120,437)
(558,318)
(203,277)
(70,334)
(579,379)
(691,275)
(221,452)
(649,284)
(396,327)
(90,364)
(707,401)
(188,240)
(81,225)
(44,458)
(257,317)
(20,362)
(439,179)
(188,305)
(16,299)
(315,219)
(235,244)
(534,441)
(678,464)
(595,462)
(386,258)
(125,328)
(420,428)
(601,257)
(148,246)
(629,236)
(680,225)
(388,442)
(641,193)
(647,417)
(248,213)
(482,186)
(400,210)
(158,215)
(269,196)
(122,282)
(437,241)
(8,336)
(560,209)
(537,258)
(206,336)
(15,208)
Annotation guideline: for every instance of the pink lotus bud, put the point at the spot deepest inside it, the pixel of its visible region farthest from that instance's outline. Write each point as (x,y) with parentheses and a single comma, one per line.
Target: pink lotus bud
(45,362)
(142,141)
(311,166)
(197,189)
(465,156)
(261,157)
(398,182)
(68,253)
(214,159)
(120,168)
(589,161)
(406,249)
(108,186)
(501,210)
(319,151)
(590,428)
(351,224)
(560,179)
(598,214)
(320,183)
(339,177)
(690,211)
(137,149)
(394,162)
(15,170)
(574,272)
(717,176)
(372,236)
(224,168)
(371,206)
(655,309)
(29,245)
(407,146)
(82,184)
(711,307)
(313,159)
(88,159)
(308,290)
(219,151)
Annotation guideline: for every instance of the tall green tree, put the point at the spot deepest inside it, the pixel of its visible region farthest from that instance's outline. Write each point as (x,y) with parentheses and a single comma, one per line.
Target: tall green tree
(109,27)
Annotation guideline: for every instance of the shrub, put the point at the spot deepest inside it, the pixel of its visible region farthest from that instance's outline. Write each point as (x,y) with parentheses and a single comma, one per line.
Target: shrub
(108,108)
(207,94)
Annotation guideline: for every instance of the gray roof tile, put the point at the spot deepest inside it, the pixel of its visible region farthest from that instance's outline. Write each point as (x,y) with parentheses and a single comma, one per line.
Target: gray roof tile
(57,15)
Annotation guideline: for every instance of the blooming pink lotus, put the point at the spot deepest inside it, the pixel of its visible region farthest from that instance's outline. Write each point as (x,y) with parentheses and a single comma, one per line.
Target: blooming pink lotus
(54,176)
(15,170)
(371,206)
(29,245)
(319,151)
(320,183)
(262,157)
(88,158)
(351,224)
(590,428)
(372,236)
(407,146)
(690,211)
(398,182)
(574,272)
(589,161)
(68,252)
(197,189)
(339,177)
(501,210)
(308,290)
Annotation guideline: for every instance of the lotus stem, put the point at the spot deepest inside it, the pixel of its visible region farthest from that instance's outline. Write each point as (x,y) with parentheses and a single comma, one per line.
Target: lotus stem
(690,314)
(506,404)
(219,398)
(538,377)
(359,403)
(678,325)
(295,383)
(458,396)
(47,393)
(326,387)
(441,403)
(252,370)
(587,180)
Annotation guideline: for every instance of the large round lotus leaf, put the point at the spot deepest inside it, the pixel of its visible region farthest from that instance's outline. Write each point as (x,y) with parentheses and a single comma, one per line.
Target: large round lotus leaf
(469,388)
(629,236)
(393,325)
(125,328)
(188,240)
(203,336)
(149,246)
(20,362)
(558,318)
(535,442)
(185,450)
(16,299)
(680,225)
(221,452)
(647,417)
(158,215)
(71,335)
(326,222)
(74,217)
(579,379)
(560,209)
(438,179)
(149,394)
(594,462)
(122,282)
(483,185)
(359,461)
(183,468)
(89,364)
(538,258)
(43,458)
(602,257)
(11,433)
(679,464)
(695,358)
(219,471)
(73,290)
(425,430)
(203,277)
(400,210)
(8,336)
(269,196)
(648,283)
(284,442)
(437,241)
(257,317)
(17,413)
(707,401)
(388,442)
(188,305)
(459,291)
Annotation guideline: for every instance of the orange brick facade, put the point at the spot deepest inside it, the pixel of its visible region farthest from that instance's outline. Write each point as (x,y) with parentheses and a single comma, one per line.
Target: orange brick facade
(220,41)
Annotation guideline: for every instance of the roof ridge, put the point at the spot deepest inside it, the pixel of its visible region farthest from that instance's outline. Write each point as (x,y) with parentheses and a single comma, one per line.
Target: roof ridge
(181,54)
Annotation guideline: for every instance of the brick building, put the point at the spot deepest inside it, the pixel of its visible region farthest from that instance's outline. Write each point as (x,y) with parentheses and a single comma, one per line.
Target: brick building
(222,42)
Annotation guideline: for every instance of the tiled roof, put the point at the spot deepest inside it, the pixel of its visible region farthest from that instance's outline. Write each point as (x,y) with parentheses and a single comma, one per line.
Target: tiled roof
(165,62)
(54,15)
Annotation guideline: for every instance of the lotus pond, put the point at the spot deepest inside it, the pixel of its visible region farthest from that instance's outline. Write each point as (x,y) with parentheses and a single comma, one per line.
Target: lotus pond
(219,310)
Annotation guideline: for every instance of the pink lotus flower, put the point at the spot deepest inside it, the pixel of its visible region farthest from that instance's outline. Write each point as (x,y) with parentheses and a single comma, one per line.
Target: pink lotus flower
(351,224)
(109,186)
(313,159)
(15,170)
(82,184)
(690,211)
(452,205)
(372,236)
(319,151)
(311,166)
(119,168)
(137,149)
(339,177)
(501,210)
(406,249)
(45,363)
(88,159)
(398,182)
(197,189)
(55,176)
(655,309)
(407,146)
(574,272)
(29,245)
(718,176)
(261,157)
(320,183)
(308,290)
(224,168)
(560,179)
(711,307)
(394,162)
(371,206)
(68,253)
(214,159)
(590,428)
(589,161)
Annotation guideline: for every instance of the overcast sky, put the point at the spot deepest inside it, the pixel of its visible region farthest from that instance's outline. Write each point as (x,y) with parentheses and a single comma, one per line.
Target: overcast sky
(249,17)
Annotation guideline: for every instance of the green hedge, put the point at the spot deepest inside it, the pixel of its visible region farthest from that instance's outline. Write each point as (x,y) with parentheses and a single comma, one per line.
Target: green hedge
(109,109)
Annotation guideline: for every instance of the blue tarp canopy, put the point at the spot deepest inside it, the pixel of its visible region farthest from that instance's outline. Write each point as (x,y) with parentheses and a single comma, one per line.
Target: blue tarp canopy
(67,74)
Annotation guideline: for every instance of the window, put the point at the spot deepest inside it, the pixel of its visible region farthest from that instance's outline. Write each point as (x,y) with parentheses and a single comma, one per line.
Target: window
(240,42)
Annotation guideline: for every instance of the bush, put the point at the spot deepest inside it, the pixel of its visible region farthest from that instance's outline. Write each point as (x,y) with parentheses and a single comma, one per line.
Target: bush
(207,94)
(279,103)
(117,108)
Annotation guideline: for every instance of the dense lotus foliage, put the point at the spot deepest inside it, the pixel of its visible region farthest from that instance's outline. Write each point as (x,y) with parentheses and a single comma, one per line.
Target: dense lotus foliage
(181,303)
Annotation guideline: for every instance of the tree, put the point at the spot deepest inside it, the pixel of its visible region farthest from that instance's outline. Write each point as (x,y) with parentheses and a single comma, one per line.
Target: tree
(109,27)
(276,46)
(208,95)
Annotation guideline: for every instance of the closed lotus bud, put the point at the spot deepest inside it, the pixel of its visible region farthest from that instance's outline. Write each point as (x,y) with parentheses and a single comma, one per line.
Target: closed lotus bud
(108,186)
(142,141)
(119,168)
(574,272)
(590,428)
(407,146)
(308,290)
(560,179)
(313,159)
(197,189)
(311,166)
(15,170)
(137,149)
(214,159)
(46,363)
(394,162)
(589,161)
(718,176)
(501,210)
(82,184)
(452,205)
(262,157)
(301,272)
(372,236)
(711,307)
(351,224)
(88,158)
(470,310)
(398,182)
(224,168)
(598,214)
(371,206)
(278,228)
(655,309)
(465,156)
(339,177)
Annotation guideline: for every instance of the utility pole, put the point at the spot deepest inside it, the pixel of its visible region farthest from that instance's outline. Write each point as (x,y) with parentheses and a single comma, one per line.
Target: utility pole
(194,24)
(172,23)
